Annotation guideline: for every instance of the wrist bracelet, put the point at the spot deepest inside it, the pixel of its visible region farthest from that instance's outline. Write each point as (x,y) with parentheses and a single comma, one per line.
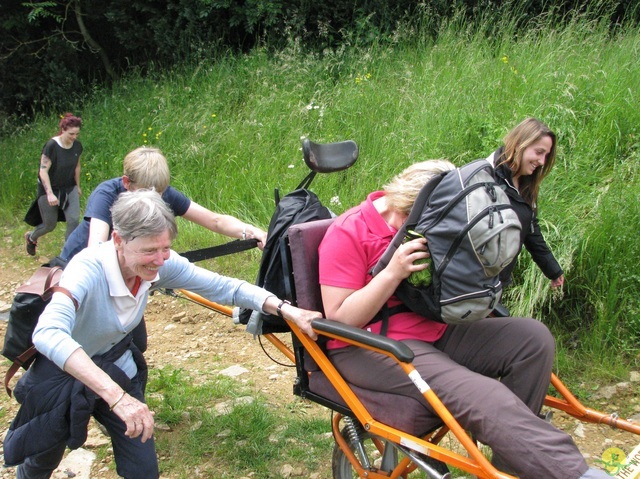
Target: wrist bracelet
(279,308)
(112,407)
(244,232)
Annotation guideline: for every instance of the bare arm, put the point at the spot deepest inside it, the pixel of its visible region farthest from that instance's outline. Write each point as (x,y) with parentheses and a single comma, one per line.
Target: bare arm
(224,224)
(45,165)
(135,414)
(358,307)
(76,176)
(98,232)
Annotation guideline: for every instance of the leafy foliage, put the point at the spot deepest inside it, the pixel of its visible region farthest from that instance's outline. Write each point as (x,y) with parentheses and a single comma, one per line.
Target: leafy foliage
(54,52)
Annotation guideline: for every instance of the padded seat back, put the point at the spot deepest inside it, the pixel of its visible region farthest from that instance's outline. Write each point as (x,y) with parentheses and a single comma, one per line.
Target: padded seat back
(304,241)
(402,412)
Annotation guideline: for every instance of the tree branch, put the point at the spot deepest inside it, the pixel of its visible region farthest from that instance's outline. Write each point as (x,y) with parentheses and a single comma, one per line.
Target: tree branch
(95,46)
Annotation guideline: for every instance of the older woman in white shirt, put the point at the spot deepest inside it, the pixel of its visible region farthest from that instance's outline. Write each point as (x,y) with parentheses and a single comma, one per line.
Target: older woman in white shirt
(111,283)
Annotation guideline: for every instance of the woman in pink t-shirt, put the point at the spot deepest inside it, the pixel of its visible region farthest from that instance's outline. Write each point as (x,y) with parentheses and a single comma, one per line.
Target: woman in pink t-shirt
(492,375)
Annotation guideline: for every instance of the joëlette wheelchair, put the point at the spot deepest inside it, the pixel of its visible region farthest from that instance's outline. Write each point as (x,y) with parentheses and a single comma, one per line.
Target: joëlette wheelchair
(377,434)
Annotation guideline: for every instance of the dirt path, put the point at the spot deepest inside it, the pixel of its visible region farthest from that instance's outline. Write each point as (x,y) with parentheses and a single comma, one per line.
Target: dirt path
(180,331)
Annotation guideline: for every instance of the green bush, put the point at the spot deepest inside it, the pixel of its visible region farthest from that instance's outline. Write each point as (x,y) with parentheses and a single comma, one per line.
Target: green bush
(52,54)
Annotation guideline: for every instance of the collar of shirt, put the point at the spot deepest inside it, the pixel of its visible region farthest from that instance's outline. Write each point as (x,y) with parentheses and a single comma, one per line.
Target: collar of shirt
(374,220)
(128,308)
(503,171)
(117,286)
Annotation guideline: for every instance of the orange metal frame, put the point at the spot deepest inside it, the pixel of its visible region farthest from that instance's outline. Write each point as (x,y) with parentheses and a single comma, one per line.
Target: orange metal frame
(572,406)
(474,463)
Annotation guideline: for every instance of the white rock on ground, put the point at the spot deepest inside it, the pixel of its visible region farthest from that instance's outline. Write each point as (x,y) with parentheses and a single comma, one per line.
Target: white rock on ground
(76,464)
(234,371)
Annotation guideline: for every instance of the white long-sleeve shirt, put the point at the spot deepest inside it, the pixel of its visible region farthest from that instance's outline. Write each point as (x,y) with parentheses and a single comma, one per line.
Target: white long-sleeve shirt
(108,311)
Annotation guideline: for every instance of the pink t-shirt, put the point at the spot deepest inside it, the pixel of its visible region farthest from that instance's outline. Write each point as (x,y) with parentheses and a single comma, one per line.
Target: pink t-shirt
(351,247)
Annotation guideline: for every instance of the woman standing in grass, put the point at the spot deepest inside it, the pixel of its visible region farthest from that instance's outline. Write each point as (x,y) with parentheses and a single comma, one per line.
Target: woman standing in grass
(525,159)
(58,181)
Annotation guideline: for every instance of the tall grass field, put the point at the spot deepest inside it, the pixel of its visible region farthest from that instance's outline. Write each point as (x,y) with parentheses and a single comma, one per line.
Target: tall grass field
(231,128)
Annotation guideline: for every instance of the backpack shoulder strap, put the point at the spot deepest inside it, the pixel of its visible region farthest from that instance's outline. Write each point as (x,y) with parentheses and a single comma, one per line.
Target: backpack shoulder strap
(29,353)
(17,364)
(412,220)
(67,293)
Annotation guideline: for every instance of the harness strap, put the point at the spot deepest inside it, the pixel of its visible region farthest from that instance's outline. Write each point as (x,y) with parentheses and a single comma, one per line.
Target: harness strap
(231,247)
(385,313)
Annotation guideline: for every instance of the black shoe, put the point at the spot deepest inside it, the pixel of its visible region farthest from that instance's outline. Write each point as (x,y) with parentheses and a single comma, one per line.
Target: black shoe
(31,245)
(57,261)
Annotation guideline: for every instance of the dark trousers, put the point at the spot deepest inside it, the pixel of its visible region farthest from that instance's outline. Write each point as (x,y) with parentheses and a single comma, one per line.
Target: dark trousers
(493,376)
(49,215)
(140,335)
(134,459)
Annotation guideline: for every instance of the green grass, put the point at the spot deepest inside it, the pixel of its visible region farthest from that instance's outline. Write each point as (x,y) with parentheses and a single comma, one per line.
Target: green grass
(231,129)
(247,437)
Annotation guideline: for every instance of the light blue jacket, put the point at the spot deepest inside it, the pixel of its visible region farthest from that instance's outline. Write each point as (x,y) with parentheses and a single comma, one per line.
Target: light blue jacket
(96,328)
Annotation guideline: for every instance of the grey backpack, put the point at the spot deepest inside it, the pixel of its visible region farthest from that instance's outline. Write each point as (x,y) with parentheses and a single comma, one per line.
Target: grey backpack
(472,234)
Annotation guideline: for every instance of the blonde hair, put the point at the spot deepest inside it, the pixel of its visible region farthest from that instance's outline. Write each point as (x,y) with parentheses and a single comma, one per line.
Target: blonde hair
(517,140)
(401,192)
(147,167)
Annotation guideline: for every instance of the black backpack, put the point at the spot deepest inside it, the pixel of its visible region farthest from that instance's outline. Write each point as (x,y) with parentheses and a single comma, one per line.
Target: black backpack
(299,206)
(472,234)
(28,304)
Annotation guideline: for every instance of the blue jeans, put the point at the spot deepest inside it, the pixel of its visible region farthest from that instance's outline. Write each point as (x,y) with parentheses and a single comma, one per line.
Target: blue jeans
(134,459)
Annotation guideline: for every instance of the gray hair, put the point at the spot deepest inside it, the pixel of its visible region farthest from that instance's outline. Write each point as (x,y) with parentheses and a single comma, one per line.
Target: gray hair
(142,213)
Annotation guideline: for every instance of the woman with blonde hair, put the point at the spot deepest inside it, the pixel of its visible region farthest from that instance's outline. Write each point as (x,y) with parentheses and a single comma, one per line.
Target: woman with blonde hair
(147,167)
(525,159)
(492,375)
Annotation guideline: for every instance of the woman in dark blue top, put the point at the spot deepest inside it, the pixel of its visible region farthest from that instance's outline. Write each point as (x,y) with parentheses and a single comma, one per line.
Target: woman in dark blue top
(147,167)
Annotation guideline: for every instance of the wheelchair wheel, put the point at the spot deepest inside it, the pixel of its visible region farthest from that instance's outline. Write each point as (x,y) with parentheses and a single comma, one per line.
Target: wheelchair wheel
(370,451)
(340,465)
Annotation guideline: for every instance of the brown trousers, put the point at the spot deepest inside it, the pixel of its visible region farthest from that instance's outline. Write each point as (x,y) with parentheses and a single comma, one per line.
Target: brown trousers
(493,376)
